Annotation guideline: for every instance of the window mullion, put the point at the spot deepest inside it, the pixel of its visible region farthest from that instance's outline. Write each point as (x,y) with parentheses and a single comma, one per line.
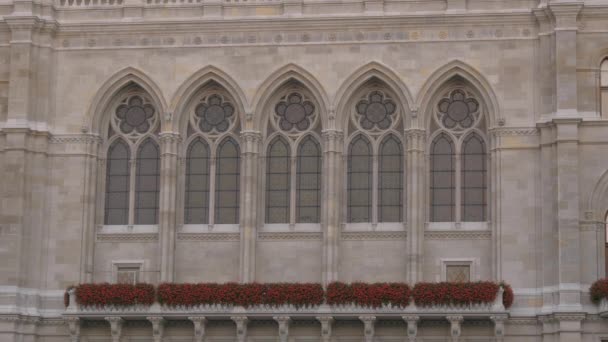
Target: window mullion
(132,179)
(458,192)
(375,189)
(211,194)
(292,192)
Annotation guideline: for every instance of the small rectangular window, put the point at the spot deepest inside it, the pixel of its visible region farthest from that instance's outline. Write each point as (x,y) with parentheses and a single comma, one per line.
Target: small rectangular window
(127,271)
(458,273)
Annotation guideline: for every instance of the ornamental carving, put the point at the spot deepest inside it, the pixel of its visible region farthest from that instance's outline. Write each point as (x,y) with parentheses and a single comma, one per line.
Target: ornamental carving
(376,112)
(294,113)
(458,111)
(214,114)
(135,116)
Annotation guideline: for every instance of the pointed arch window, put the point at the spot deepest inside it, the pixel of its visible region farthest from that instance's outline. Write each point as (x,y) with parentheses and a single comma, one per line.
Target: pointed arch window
(604,87)
(278,181)
(473,193)
(117,184)
(227,182)
(443,185)
(390,180)
(197,183)
(308,197)
(360,172)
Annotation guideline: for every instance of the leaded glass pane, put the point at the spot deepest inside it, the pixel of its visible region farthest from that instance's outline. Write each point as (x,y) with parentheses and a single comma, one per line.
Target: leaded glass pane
(197,183)
(227,175)
(442,179)
(117,184)
(147,183)
(277,181)
(308,196)
(390,182)
(473,179)
(359,180)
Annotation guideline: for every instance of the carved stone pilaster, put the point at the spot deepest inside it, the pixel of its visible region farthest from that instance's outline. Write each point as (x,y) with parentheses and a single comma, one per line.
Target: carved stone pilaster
(332,140)
(200,323)
(241,327)
(368,327)
(283,322)
(499,327)
(326,322)
(415,139)
(73,324)
(158,327)
(412,327)
(251,141)
(455,328)
(115,327)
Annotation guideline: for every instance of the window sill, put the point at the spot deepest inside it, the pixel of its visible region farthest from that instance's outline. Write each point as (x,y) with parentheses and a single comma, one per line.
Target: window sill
(286,227)
(369,227)
(128,229)
(210,228)
(457,226)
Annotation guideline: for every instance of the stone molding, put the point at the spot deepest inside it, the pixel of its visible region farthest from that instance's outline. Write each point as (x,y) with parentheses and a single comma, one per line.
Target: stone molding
(290,236)
(458,235)
(127,237)
(208,236)
(75,139)
(515,131)
(362,236)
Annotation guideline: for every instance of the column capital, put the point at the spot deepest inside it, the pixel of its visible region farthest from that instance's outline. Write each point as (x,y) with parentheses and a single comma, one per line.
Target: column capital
(455,329)
(283,327)
(565,14)
(412,326)
(368,327)
(326,322)
(199,327)
(241,327)
(158,327)
(73,328)
(332,140)
(115,327)
(251,141)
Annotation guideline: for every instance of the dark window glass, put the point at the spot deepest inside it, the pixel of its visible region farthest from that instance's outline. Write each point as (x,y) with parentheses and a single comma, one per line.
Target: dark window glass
(147,183)
(117,184)
(227,175)
(197,183)
(308,196)
(474,174)
(390,182)
(277,181)
(442,179)
(359,180)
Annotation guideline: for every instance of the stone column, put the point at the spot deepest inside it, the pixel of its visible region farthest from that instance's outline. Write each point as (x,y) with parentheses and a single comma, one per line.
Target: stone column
(415,140)
(90,182)
(158,327)
(368,327)
(283,322)
(241,327)
(332,185)
(568,200)
(250,149)
(570,326)
(412,327)
(167,218)
(326,322)
(455,329)
(200,323)
(73,328)
(565,16)
(115,327)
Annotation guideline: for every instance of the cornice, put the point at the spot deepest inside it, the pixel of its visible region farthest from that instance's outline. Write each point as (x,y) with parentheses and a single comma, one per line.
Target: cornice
(378,235)
(208,236)
(457,234)
(290,235)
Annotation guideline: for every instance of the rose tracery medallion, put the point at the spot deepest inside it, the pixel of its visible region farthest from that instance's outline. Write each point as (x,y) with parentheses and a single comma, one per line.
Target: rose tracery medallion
(214,114)
(135,116)
(294,113)
(376,112)
(458,111)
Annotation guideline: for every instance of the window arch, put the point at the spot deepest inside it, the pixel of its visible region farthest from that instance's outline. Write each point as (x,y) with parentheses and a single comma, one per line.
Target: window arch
(604,87)
(390,180)
(132,173)
(360,180)
(473,195)
(227,182)
(442,179)
(308,197)
(278,181)
(197,182)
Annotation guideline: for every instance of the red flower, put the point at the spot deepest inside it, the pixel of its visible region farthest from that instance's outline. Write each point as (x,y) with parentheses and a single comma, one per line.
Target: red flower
(114,294)
(427,294)
(369,295)
(599,290)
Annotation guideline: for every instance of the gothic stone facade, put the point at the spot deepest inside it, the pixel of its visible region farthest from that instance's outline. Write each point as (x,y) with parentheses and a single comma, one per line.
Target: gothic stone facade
(91,90)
